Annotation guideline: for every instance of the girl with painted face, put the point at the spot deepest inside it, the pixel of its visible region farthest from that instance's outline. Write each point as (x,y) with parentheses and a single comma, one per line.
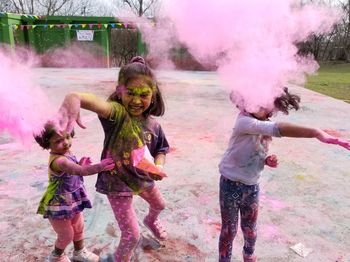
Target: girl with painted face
(242,164)
(127,121)
(65,197)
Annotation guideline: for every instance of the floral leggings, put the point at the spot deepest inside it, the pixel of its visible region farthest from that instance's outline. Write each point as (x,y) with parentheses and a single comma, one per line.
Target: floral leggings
(236,197)
(127,220)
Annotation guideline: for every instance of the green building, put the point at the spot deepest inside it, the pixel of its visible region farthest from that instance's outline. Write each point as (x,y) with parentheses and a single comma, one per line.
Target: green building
(43,33)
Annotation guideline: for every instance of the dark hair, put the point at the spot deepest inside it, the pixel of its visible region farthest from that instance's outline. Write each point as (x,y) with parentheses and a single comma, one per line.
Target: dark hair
(137,68)
(287,101)
(43,139)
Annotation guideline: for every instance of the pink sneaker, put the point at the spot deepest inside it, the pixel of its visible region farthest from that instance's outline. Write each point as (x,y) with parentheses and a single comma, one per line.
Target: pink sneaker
(55,258)
(156,228)
(249,258)
(85,255)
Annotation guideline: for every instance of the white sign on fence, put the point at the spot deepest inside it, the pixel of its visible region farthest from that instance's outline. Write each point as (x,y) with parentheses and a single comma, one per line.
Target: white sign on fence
(85,35)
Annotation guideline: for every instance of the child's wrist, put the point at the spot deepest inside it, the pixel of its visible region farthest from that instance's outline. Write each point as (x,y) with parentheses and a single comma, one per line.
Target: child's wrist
(160,166)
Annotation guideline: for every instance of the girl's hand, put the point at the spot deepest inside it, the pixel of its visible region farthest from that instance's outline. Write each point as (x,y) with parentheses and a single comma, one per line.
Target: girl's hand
(271,161)
(155,176)
(84,161)
(107,164)
(69,113)
(329,139)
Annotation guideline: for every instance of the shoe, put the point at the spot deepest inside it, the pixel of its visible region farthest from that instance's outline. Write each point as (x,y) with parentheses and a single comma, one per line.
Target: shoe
(55,258)
(156,228)
(249,258)
(85,255)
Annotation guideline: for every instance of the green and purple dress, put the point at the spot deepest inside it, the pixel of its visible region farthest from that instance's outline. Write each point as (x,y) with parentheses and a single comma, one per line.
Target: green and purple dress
(65,195)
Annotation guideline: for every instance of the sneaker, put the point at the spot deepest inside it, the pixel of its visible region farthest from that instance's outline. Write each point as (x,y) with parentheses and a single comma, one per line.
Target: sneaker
(85,255)
(156,228)
(249,258)
(55,258)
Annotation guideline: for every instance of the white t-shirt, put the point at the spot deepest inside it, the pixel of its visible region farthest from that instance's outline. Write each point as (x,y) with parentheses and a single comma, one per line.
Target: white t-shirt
(245,156)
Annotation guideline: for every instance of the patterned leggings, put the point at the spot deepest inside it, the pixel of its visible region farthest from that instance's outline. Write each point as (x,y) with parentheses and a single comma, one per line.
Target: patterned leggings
(127,220)
(236,197)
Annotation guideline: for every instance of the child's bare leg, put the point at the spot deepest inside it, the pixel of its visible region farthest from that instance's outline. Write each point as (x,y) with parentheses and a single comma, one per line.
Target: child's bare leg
(78,228)
(64,231)
(127,221)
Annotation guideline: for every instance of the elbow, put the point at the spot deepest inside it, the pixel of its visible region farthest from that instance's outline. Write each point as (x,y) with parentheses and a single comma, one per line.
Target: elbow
(316,132)
(281,129)
(80,172)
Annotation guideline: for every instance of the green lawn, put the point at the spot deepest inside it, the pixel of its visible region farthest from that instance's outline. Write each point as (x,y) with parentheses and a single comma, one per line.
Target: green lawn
(332,80)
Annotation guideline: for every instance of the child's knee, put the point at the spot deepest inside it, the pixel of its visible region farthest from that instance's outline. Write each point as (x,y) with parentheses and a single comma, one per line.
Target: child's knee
(161,205)
(249,233)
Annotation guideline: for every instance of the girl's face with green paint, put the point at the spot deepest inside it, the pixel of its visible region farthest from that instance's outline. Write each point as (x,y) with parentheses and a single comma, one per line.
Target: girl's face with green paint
(137,96)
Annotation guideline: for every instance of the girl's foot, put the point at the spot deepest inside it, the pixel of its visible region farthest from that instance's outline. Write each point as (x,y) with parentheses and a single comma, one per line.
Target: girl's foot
(156,228)
(85,255)
(55,258)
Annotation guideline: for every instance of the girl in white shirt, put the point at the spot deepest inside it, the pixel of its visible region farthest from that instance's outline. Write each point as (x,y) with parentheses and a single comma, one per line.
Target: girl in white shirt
(242,164)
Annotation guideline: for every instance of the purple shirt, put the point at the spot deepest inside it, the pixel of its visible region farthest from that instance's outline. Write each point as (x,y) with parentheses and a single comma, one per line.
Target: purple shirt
(124,133)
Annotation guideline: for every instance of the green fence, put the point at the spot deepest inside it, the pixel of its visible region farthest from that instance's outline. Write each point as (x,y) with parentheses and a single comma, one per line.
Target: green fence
(43,33)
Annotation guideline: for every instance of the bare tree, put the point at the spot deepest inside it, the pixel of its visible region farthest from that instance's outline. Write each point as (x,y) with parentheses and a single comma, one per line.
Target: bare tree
(5,6)
(123,46)
(148,8)
(336,44)
(49,7)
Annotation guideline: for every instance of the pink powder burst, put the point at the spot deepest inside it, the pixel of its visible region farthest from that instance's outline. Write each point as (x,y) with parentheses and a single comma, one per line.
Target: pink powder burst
(23,105)
(253,42)
(75,55)
(159,36)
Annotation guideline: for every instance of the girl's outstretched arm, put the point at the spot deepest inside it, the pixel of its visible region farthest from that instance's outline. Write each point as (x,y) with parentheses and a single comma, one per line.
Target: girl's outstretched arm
(69,112)
(291,130)
(62,164)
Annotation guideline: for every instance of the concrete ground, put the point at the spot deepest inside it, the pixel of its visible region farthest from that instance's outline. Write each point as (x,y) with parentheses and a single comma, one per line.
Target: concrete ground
(305,200)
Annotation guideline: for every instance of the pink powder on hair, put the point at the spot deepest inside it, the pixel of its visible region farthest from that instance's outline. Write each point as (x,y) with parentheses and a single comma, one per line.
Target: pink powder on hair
(252,41)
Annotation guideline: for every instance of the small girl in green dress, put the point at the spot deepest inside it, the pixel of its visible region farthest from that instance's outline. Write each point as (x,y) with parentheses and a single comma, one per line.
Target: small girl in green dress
(65,197)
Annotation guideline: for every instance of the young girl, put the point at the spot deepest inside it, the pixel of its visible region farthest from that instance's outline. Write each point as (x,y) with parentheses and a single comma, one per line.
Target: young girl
(128,125)
(242,164)
(65,197)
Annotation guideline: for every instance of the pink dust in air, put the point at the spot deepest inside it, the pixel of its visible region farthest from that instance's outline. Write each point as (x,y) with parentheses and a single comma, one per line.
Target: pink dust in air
(75,55)
(252,42)
(24,107)
(159,36)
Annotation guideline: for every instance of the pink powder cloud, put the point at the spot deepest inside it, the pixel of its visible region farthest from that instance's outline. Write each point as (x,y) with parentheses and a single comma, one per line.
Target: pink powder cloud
(23,105)
(253,41)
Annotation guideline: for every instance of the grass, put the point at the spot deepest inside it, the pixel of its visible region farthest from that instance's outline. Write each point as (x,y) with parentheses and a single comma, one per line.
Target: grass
(332,80)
